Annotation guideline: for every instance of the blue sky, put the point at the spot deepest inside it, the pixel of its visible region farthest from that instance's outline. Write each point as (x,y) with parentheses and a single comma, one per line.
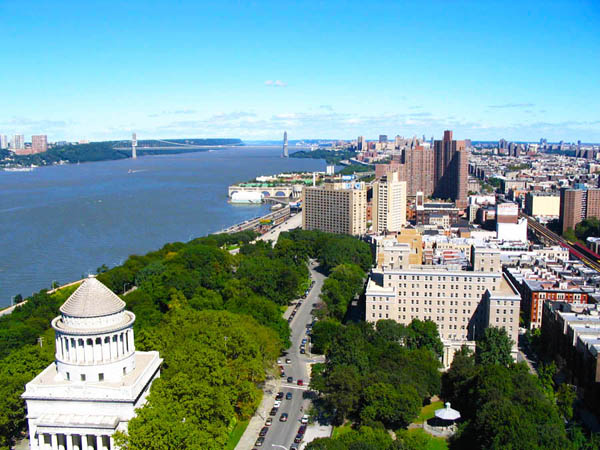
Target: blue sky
(319,69)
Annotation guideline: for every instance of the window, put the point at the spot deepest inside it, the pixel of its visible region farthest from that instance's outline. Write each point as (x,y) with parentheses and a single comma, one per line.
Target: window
(68,376)
(83,377)
(100,377)
(124,371)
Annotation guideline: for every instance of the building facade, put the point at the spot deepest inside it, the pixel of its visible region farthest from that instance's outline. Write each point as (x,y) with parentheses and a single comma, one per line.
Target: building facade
(451,170)
(462,303)
(335,208)
(39,143)
(98,378)
(577,205)
(542,204)
(389,204)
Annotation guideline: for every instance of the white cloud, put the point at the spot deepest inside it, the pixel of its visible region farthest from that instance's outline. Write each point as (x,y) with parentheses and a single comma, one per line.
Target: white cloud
(275,83)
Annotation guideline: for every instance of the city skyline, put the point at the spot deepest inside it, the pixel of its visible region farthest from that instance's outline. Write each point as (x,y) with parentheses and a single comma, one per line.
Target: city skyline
(485,70)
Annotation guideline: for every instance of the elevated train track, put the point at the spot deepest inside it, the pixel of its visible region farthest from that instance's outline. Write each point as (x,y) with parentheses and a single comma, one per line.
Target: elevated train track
(554,238)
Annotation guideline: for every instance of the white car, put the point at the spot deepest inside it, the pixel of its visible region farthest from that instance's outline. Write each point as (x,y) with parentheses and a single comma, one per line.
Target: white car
(277,404)
(304,419)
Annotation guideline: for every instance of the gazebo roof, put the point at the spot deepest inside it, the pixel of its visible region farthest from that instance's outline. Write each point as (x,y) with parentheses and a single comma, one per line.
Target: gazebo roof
(447,413)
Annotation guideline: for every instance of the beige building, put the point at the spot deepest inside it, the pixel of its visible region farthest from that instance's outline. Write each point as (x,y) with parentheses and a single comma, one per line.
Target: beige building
(541,204)
(389,204)
(462,303)
(412,237)
(335,208)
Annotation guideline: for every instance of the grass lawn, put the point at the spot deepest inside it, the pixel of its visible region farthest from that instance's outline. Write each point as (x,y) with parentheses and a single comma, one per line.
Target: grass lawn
(338,431)
(427,412)
(435,443)
(236,434)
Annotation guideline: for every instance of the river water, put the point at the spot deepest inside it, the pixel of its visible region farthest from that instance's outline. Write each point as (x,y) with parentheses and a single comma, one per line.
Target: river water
(61,222)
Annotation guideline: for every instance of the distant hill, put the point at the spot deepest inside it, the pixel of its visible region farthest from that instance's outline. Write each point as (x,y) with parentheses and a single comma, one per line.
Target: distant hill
(105,150)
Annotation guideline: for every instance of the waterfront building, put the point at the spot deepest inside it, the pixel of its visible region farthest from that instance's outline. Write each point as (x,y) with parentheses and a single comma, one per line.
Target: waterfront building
(3,141)
(18,142)
(335,208)
(98,379)
(451,169)
(462,303)
(577,205)
(389,204)
(39,143)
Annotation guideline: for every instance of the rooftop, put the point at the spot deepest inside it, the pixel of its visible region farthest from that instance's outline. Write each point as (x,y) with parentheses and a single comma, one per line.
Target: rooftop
(92,299)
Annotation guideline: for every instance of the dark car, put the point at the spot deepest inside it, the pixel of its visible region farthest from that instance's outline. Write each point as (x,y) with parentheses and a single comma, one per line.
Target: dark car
(298,438)
(273,412)
(284,417)
(302,429)
(302,351)
(264,431)
(279,396)
(282,374)
(290,379)
(259,441)
(288,396)
(294,447)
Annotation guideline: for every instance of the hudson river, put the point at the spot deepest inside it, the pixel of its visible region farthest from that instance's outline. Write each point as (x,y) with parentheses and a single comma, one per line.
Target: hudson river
(62,222)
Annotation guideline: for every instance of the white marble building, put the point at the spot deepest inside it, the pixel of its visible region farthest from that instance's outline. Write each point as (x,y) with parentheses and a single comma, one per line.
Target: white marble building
(97,380)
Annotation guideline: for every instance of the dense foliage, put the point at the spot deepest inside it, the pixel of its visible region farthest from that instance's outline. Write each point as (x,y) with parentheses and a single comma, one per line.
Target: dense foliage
(356,168)
(367,438)
(331,156)
(373,376)
(215,318)
(503,407)
(102,151)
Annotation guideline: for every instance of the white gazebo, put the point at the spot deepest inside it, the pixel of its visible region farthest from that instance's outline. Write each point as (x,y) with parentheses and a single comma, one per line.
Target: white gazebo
(443,424)
(98,379)
(447,414)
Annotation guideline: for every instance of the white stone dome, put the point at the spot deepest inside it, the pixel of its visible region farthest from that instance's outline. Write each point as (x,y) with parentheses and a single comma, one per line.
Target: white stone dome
(92,299)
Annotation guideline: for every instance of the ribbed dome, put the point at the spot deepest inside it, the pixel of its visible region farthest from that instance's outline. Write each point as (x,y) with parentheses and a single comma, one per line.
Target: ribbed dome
(92,299)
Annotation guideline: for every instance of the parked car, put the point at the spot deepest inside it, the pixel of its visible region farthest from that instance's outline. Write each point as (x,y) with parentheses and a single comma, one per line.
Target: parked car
(264,431)
(302,351)
(284,417)
(298,438)
(300,382)
(304,341)
(269,421)
(302,429)
(273,412)
(288,361)
(279,396)
(288,396)
(277,404)
(290,379)
(282,374)
(294,447)
(304,419)
(259,441)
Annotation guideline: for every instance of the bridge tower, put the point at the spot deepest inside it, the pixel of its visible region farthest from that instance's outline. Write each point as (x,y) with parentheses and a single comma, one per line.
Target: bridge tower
(133,146)
(285,145)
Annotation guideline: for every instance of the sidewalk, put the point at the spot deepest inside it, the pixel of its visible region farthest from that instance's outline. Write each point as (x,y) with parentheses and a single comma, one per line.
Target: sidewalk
(258,419)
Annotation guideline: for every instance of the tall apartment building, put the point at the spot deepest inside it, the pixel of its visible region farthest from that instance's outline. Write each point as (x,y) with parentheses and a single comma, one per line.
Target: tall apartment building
(3,141)
(389,204)
(462,303)
(415,166)
(361,144)
(383,138)
(39,143)
(577,205)
(335,208)
(18,142)
(451,169)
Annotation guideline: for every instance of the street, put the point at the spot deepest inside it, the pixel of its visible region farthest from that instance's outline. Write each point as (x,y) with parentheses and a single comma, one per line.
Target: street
(282,434)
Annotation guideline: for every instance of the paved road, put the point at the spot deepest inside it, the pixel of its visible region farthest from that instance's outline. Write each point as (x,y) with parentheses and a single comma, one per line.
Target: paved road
(281,434)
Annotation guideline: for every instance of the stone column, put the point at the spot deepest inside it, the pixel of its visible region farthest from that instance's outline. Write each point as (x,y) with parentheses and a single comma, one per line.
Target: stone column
(54,441)
(69,441)
(40,441)
(111,443)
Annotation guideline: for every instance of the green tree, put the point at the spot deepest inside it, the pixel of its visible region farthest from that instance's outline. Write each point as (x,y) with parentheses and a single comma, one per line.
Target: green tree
(424,334)
(494,347)
(565,398)
(395,407)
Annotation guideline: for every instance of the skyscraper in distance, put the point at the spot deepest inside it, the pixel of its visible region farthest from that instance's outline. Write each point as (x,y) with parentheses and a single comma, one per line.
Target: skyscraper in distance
(285,153)
(3,141)
(451,169)
(39,143)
